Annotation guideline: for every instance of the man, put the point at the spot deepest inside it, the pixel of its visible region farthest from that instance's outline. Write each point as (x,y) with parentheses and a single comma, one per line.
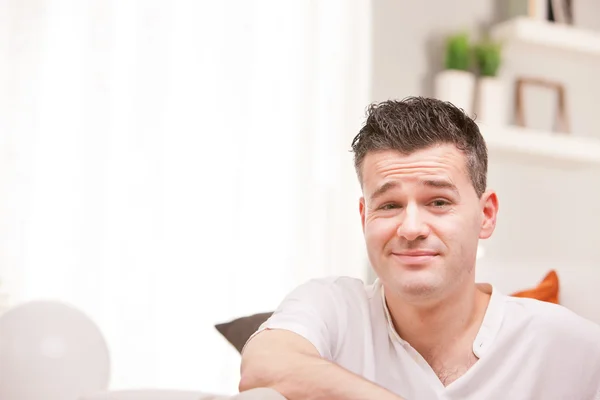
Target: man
(425,329)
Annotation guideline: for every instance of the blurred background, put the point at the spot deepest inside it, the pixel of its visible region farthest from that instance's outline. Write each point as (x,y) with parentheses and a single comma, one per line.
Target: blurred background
(170,165)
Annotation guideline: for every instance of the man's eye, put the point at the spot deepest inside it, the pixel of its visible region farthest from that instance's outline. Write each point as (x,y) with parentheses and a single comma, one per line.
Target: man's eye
(440,203)
(389,206)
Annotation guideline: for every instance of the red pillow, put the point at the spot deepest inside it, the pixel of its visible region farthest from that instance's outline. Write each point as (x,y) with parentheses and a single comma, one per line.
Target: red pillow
(546,290)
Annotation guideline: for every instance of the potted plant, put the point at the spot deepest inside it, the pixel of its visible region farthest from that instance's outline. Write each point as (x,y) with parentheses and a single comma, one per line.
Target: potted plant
(456,83)
(491,94)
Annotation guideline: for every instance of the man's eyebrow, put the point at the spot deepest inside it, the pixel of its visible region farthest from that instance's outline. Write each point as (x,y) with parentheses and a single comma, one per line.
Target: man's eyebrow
(384,188)
(433,183)
(440,184)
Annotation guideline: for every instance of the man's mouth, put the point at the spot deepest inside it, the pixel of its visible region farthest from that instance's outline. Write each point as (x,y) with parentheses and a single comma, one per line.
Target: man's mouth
(415,257)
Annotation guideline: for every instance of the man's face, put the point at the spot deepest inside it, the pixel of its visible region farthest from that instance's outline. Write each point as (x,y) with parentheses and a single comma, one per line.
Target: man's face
(422,220)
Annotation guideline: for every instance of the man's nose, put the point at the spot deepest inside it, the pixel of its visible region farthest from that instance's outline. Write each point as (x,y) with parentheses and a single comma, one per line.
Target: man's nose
(412,225)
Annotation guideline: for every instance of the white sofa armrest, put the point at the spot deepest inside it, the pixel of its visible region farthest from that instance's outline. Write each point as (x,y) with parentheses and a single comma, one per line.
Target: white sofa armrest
(149,394)
(259,394)
(254,394)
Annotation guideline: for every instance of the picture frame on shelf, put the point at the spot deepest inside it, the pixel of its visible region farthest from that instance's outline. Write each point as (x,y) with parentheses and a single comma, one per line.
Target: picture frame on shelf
(561,117)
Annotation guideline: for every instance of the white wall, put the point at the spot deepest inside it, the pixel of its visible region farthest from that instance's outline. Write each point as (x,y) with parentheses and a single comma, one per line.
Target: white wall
(587,14)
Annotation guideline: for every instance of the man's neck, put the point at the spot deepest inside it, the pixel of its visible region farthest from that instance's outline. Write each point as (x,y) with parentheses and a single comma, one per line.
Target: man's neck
(440,322)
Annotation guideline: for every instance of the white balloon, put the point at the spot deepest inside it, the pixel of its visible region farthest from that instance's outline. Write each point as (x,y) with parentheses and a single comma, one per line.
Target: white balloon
(50,351)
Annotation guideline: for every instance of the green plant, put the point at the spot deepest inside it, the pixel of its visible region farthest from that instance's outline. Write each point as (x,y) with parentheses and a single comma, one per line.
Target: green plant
(458,52)
(488,56)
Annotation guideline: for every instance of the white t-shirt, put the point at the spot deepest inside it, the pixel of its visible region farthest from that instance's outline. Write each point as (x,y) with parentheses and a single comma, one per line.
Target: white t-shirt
(527,349)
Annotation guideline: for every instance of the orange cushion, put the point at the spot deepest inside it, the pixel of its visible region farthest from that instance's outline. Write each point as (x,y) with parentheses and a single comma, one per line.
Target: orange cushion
(546,290)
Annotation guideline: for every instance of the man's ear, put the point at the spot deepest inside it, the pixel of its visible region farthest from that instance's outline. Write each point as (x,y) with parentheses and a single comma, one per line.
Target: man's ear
(489,203)
(362,209)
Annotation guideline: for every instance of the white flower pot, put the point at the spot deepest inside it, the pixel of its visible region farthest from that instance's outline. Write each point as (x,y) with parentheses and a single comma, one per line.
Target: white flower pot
(491,101)
(457,87)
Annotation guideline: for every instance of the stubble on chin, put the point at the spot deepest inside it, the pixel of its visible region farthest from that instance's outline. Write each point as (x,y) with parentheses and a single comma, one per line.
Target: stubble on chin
(413,285)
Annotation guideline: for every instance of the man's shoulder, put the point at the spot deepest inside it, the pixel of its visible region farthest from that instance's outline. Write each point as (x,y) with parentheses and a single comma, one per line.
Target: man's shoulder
(553,321)
(561,341)
(342,285)
(342,292)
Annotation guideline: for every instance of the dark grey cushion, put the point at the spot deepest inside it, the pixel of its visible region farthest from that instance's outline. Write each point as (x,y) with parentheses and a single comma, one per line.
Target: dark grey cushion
(238,331)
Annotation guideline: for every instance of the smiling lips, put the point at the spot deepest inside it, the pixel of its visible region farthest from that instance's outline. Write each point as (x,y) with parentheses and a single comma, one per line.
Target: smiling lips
(415,257)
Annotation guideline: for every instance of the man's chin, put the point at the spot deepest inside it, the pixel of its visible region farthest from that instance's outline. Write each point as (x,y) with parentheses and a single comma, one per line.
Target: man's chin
(416,284)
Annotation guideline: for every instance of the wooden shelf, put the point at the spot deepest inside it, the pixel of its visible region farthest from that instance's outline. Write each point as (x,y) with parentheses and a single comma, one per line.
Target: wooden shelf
(551,147)
(548,34)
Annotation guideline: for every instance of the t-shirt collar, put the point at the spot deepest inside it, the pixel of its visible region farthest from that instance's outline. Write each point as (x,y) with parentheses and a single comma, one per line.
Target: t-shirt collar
(489,326)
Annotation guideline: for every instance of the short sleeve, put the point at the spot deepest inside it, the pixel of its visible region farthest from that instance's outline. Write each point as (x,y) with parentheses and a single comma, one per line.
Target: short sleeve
(314,310)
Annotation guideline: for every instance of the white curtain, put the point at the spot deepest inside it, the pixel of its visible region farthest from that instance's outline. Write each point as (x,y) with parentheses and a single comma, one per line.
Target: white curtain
(168,165)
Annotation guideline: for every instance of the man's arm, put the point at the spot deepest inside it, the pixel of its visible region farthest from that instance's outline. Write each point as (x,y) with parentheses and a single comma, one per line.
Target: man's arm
(288,363)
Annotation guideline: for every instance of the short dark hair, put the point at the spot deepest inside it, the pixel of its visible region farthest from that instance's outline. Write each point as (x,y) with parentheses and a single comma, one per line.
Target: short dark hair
(415,123)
